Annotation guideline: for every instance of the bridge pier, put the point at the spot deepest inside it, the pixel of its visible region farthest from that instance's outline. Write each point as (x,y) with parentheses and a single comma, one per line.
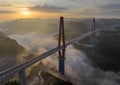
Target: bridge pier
(62,66)
(22,77)
(61,42)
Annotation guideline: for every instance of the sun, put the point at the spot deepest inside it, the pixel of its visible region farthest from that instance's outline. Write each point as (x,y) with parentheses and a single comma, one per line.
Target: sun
(26,13)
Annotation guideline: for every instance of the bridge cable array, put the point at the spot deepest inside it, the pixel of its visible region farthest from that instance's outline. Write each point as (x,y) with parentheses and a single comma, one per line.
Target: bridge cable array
(20,69)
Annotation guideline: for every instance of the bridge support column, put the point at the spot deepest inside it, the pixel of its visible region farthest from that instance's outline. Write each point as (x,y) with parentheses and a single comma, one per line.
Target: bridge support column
(22,77)
(61,42)
(62,66)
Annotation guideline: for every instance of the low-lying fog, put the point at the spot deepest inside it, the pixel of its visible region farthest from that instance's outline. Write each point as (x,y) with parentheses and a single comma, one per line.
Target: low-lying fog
(78,66)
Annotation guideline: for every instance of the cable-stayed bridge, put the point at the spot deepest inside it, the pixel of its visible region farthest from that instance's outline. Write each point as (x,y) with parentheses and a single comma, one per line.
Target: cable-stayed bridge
(62,45)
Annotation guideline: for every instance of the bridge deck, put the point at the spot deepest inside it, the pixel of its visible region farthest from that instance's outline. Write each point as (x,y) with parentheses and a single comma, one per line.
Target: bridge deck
(11,71)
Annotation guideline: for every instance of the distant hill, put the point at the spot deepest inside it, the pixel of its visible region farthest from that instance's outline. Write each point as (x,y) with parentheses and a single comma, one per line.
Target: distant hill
(52,25)
(105,55)
(102,23)
(9,46)
(9,49)
(107,51)
(29,25)
(118,28)
(74,29)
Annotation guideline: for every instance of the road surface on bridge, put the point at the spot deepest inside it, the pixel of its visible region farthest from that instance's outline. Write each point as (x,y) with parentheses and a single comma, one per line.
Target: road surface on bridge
(11,71)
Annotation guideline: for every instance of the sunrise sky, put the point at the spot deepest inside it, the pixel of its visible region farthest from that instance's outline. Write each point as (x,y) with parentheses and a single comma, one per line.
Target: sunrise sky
(14,9)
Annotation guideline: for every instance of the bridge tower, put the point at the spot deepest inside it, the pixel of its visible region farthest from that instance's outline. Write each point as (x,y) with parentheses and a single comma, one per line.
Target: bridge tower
(92,39)
(61,42)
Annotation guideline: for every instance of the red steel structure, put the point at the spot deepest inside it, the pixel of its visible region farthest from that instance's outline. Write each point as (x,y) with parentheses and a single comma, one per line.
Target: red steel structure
(93,27)
(92,41)
(61,42)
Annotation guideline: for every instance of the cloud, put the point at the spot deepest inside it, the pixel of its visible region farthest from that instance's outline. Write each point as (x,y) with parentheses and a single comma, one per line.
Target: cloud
(5,5)
(103,10)
(47,8)
(110,6)
(72,1)
(13,5)
(111,9)
(6,12)
(81,1)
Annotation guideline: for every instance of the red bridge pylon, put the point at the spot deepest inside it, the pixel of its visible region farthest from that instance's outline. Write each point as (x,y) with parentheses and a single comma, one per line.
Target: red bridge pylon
(92,41)
(61,42)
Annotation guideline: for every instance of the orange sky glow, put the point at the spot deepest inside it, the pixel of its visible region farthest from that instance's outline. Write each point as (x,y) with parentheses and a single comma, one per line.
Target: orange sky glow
(15,9)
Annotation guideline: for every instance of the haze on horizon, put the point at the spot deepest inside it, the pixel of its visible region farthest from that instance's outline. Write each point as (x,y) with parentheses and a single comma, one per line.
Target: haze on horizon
(15,9)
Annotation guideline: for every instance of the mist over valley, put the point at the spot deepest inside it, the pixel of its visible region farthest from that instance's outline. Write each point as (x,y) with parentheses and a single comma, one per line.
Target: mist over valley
(23,39)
